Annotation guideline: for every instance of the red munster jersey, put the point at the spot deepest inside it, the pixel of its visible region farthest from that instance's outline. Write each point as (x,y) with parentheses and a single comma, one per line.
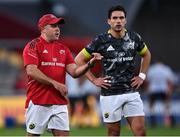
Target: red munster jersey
(51,58)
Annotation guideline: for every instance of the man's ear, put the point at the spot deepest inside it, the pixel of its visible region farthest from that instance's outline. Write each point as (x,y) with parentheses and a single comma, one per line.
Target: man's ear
(109,21)
(125,21)
(43,29)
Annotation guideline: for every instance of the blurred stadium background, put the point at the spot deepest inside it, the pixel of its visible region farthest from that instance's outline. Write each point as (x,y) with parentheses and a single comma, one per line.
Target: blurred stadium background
(157,21)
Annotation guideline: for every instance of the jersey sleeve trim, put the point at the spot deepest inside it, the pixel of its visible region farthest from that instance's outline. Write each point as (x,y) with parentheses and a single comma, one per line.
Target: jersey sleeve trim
(143,51)
(32,55)
(86,53)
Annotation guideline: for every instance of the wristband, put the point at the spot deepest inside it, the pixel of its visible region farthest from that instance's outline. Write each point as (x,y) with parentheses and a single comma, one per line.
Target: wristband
(90,65)
(142,76)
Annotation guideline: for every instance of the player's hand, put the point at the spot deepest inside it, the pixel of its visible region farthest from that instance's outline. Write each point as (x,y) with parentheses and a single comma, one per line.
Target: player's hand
(104,82)
(136,82)
(61,88)
(96,57)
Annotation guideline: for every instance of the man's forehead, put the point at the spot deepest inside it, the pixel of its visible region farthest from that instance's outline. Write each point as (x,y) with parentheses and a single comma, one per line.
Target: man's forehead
(118,13)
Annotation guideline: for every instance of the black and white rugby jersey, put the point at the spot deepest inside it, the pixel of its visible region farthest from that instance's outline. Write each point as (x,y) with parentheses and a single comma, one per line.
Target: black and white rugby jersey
(119,59)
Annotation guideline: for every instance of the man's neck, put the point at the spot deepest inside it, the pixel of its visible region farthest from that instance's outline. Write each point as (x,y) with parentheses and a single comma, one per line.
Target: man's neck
(116,34)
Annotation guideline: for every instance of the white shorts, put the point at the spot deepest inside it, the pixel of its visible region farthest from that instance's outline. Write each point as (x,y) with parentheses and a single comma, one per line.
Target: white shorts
(38,118)
(116,106)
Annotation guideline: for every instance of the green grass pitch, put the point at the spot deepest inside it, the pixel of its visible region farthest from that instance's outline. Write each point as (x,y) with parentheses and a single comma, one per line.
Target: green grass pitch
(100,131)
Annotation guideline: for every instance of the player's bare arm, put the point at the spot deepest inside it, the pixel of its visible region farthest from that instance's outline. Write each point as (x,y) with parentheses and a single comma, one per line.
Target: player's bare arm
(80,59)
(137,81)
(78,70)
(38,75)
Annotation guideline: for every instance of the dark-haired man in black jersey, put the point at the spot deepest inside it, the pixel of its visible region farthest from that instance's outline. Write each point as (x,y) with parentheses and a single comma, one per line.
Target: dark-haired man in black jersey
(119,84)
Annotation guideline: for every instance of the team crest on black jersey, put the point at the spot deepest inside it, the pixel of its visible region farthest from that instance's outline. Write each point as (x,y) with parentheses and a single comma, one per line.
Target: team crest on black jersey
(128,45)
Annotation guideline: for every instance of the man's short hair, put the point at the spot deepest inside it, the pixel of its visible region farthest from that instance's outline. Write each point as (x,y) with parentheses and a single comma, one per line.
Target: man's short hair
(116,8)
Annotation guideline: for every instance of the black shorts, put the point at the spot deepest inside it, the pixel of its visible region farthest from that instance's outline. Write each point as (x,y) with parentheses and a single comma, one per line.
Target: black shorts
(157,97)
